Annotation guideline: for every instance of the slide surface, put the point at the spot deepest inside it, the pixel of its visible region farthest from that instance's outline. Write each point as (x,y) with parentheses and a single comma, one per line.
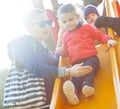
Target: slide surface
(105,96)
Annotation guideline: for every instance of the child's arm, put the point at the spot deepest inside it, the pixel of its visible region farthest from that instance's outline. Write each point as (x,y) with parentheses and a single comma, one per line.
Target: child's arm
(59,49)
(102,37)
(60,34)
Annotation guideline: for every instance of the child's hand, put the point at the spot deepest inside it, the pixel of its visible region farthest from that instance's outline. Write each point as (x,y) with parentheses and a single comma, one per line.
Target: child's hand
(111,43)
(60,51)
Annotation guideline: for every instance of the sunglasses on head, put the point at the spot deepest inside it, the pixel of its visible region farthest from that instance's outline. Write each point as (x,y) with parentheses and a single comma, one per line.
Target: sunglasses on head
(43,24)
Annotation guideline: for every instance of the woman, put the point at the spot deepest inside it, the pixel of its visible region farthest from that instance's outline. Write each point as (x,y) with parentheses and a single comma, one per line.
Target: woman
(29,52)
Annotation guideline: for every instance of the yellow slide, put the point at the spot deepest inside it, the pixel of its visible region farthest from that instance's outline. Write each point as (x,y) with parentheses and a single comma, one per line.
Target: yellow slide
(105,97)
(106,82)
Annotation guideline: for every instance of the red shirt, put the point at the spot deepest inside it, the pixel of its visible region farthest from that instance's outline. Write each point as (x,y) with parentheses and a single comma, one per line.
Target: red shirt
(79,43)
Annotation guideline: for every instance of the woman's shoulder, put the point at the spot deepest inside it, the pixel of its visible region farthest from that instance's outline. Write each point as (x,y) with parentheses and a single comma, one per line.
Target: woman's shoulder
(21,41)
(23,38)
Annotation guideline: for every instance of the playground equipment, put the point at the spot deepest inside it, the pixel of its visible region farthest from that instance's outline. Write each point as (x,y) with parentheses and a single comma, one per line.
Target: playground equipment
(107,80)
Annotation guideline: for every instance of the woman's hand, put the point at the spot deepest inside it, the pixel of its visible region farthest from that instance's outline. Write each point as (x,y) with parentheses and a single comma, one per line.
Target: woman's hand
(111,43)
(79,70)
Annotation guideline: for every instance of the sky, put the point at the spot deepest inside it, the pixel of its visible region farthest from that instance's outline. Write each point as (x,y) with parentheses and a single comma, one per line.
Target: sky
(11,12)
(10,25)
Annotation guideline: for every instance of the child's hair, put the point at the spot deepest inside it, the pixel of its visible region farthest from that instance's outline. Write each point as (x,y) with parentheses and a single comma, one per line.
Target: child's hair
(67,8)
(90,9)
(30,16)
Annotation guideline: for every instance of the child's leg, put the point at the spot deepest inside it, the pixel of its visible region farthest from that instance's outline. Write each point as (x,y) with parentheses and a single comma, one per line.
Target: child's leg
(87,85)
(77,83)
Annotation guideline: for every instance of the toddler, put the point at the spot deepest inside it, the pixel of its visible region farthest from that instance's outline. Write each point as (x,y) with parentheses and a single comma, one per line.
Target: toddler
(78,45)
(91,14)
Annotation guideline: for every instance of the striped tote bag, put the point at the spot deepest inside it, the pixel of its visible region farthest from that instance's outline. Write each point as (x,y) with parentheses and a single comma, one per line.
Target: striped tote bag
(23,91)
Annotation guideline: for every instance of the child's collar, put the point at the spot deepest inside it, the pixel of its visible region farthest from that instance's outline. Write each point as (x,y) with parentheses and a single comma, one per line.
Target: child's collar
(78,26)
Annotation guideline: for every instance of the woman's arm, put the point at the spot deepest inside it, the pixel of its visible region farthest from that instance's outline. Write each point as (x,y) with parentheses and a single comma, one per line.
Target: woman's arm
(33,59)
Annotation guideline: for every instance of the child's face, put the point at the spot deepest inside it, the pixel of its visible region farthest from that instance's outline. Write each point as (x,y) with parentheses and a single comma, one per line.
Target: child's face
(69,21)
(91,18)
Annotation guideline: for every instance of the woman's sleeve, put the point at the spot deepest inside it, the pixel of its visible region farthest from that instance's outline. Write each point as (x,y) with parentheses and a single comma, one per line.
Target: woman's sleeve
(25,54)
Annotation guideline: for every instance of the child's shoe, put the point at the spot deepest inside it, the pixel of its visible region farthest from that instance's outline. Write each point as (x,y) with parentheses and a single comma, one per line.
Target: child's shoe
(88,91)
(69,91)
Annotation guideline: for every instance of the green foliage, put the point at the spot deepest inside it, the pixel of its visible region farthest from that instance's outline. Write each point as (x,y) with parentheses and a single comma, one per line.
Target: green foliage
(3,75)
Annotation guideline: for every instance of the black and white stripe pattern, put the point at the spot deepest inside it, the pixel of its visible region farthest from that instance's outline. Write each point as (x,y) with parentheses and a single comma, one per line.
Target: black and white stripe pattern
(23,90)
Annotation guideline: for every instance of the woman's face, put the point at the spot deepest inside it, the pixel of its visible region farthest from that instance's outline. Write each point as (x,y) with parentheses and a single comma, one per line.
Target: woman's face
(69,21)
(41,28)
